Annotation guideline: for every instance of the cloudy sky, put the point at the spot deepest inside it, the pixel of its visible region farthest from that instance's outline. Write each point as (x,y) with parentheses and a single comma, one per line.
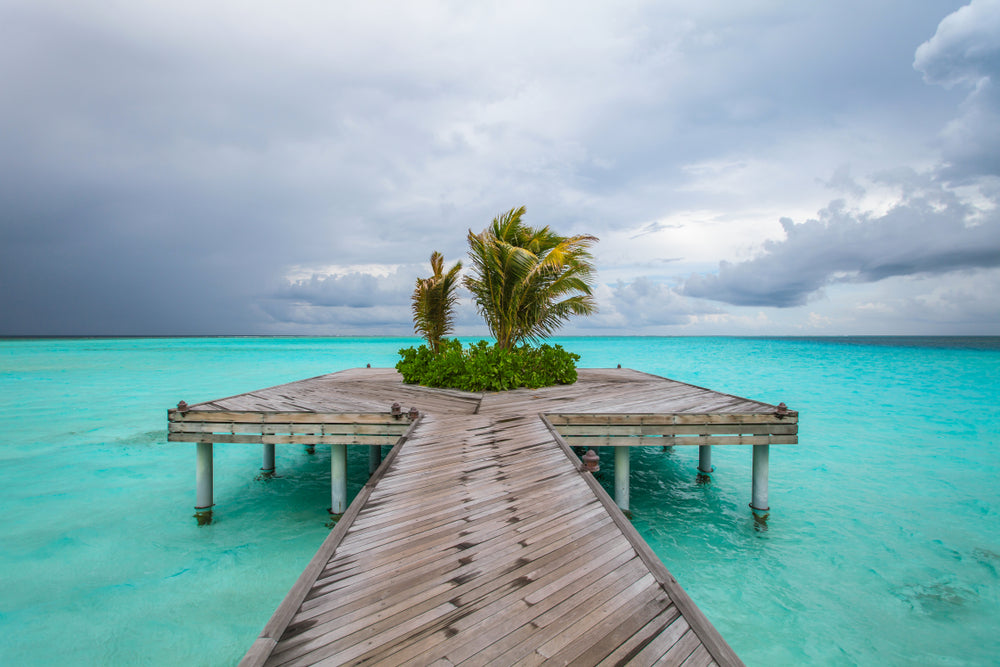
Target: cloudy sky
(750,167)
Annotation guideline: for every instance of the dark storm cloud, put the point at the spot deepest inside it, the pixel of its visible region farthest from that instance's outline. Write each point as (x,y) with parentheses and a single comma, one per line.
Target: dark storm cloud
(158,179)
(356,302)
(930,231)
(353,290)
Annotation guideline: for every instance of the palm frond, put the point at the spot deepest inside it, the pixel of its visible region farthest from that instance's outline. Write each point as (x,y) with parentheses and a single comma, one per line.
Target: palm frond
(527,282)
(433,302)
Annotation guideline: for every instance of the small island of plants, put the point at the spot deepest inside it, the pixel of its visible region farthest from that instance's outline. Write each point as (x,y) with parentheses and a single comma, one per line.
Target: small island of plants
(526,283)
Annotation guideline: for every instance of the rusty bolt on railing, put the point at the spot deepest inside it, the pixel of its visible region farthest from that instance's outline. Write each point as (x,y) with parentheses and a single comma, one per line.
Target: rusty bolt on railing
(413,414)
(396,411)
(782,411)
(591,461)
(182,406)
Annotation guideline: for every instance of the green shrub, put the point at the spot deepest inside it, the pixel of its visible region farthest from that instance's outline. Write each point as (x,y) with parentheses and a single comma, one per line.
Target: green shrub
(485,367)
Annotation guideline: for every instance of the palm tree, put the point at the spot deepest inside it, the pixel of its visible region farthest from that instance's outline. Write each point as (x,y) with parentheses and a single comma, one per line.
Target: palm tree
(434,300)
(526,282)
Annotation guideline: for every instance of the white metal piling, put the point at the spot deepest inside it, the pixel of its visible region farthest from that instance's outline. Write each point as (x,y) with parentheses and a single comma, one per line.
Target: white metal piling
(203,478)
(338,479)
(267,465)
(621,476)
(705,459)
(758,498)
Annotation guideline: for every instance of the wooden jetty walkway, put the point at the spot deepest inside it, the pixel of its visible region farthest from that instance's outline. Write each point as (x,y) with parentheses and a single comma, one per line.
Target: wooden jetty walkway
(480,539)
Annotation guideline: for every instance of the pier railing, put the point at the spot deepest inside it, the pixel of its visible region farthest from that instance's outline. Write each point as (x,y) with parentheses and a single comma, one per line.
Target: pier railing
(643,430)
(284,428)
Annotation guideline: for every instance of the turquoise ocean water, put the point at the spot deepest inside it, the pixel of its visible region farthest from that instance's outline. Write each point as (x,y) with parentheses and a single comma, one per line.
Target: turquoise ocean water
(882,548)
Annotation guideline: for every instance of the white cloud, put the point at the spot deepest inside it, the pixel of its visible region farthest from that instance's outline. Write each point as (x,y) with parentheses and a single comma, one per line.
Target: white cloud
(642,304)
(965,51)
(927,231)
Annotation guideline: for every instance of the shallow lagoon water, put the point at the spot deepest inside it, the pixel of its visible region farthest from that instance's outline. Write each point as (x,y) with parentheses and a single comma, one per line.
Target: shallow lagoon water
(883,544)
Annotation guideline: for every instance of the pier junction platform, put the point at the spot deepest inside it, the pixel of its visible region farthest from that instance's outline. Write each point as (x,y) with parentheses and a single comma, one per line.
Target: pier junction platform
(482,538)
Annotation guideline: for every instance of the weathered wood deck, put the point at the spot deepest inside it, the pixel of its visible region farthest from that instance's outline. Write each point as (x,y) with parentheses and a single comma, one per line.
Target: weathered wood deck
(480,540)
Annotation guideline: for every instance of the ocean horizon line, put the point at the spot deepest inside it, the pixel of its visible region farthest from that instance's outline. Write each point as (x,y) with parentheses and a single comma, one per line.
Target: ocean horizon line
(469,336)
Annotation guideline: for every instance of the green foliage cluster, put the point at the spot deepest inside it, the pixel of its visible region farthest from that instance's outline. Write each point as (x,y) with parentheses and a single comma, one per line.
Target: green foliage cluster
(485,367)
(526,282)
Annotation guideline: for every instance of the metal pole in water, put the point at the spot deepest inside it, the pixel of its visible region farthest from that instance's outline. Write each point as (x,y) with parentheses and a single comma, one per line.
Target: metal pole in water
(338,479)
(705,459)
(203,483)
(267,467)
(374,458)
(621,477)
(758,499)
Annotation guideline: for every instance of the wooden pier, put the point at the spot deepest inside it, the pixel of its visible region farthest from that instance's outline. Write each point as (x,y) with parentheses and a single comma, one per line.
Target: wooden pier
(481,539)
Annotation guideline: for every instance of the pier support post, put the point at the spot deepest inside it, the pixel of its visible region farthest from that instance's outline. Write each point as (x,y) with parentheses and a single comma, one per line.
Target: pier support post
(203,484)
(374,458)
(267,464)
(758,498)
(338,479)
(705,459)
(621,477)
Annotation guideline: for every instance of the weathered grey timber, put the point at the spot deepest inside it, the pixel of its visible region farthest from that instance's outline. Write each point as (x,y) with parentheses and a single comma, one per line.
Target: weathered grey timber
(480,539)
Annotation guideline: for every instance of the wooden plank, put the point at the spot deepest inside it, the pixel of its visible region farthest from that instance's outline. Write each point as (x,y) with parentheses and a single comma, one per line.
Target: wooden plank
(494,583)
(655,419)
(700,657)
(549,626)
(589,580)
(504,638)
(639,593)
(318,650)
(639,639)
(680,651)
(611,629)
(283,439)
(777,428)
(661,644)
(476,556)
(618,633)
(267,417)
(236,428)
(384,603)
(656,441)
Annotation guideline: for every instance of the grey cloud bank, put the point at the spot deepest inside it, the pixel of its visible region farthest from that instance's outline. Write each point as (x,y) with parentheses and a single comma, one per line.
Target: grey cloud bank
(930,231)
(181,168)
